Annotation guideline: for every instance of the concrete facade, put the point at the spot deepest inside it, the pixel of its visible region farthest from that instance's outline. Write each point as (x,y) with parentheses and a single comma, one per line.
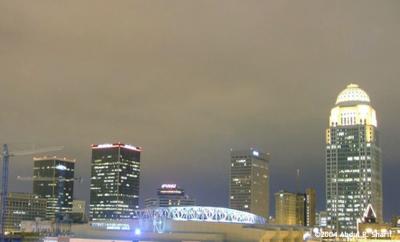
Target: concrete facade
(190,231)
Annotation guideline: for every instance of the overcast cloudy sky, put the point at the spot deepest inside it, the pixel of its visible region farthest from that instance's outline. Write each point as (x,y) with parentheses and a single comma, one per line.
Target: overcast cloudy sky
(188,80)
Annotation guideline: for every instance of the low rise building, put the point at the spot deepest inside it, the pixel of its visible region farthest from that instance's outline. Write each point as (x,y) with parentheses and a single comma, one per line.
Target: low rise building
(23,206)
(211,224)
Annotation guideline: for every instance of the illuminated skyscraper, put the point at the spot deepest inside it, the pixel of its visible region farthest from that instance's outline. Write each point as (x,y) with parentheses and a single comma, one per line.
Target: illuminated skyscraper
(249,182)
(353,160)
(53,179)
(114,188)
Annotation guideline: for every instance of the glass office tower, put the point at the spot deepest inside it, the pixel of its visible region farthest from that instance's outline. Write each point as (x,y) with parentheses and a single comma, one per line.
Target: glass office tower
(353,160)
(114,188)
(53,179)
(249,182)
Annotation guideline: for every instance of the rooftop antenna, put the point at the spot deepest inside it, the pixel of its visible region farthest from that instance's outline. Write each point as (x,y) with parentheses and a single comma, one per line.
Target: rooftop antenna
(298,181)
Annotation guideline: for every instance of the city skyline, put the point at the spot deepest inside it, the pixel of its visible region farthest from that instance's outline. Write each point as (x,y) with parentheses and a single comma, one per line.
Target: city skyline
(188,86)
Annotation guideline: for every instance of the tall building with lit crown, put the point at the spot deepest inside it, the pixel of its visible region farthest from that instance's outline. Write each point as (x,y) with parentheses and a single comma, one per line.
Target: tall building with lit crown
(53,179)
(353,160)
(114,188)
(249,182)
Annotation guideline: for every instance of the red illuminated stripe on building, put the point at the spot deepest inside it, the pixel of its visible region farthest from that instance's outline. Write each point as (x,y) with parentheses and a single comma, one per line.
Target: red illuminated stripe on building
(116,145)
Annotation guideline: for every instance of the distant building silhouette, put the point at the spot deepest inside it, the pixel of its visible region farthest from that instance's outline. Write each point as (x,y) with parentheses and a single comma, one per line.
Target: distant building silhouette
(170,195)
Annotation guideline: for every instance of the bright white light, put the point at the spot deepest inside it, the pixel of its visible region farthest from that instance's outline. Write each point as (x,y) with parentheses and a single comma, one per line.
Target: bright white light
(61,167)
(241,161)
(255,153)
(307,236)
(138,232)
(131,147)
(105,146)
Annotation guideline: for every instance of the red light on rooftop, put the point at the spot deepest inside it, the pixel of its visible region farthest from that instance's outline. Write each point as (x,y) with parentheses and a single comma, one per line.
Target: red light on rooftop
(116,145)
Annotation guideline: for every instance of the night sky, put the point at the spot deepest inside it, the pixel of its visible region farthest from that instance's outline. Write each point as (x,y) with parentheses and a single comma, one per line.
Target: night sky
(189,80)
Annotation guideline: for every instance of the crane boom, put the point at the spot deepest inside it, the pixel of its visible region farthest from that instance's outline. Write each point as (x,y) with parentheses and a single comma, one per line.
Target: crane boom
(37,151)
(30,178)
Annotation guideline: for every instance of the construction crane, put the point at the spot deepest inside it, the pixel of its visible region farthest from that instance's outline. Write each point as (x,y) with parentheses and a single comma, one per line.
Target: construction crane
(60,187)
(62,179)
(6,160)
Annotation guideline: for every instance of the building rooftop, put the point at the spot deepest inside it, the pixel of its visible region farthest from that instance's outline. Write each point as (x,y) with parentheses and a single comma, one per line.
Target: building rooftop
(54,158)
(352,94)
(116,145)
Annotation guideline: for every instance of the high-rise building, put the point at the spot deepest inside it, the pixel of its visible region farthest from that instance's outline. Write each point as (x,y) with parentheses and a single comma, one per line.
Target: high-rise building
(170,195)
(23,206)
(53,179)
(310,209)
(300,209)
(114,188)
(353,160)
(249,182)
(295,208)
(286,208)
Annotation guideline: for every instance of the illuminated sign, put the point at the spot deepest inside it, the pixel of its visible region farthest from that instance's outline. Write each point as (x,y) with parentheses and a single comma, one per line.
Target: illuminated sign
(112,226)
(168,186)
(171,192)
